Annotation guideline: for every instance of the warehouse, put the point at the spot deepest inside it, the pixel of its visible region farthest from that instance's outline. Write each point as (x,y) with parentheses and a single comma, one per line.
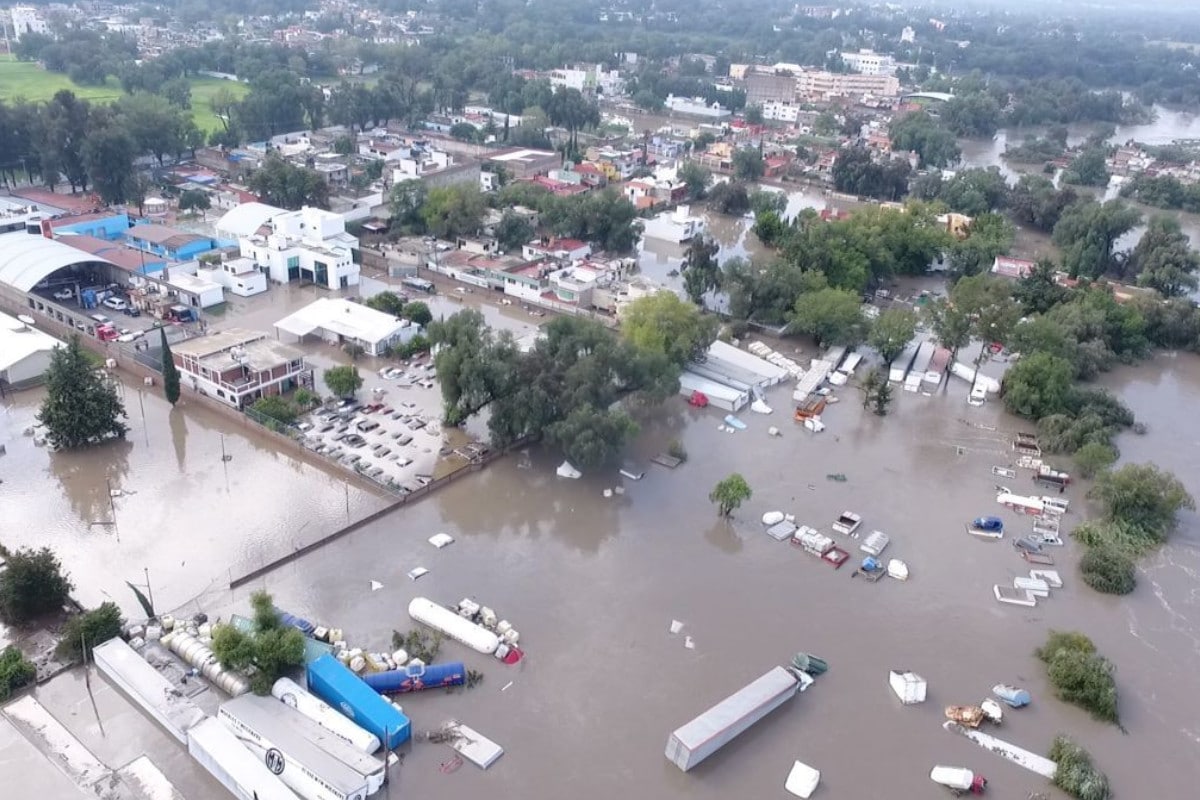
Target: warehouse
(25,353)
(339,322)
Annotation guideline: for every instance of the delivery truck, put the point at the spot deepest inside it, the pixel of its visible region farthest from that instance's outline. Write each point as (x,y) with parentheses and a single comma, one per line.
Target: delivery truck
(215,747)
(333,682)
(718,726)
(305,768)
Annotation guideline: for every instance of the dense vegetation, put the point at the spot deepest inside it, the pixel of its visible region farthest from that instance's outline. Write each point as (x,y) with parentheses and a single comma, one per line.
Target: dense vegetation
(16,671)
(84,631)
(1079,674)
(268,653)
(1076,775)
(32,585)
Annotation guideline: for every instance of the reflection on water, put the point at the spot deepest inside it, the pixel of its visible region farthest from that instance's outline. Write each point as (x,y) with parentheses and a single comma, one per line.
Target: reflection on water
(85,478)
(179,437)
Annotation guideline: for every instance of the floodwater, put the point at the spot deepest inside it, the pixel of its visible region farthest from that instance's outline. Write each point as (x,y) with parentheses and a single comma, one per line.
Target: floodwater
(190,518)
(593,584)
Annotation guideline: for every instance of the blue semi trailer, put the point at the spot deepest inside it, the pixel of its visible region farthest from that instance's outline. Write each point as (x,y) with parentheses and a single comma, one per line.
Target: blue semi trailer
(333,682)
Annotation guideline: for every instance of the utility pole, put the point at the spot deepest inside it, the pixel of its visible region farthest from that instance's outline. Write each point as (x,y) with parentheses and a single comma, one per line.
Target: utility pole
(149,591)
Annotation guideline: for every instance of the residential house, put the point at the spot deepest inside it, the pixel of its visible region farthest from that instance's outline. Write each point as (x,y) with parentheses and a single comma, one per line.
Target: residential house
(522,163)
(240,276)
(561,249)
(310,244)
(238,366)
(697,107)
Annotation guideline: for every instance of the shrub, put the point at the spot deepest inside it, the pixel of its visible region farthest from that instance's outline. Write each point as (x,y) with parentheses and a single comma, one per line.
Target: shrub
(1079,674)
(31,585)
(84,631)
(675,449)
(276,408)
(15,672)
(1093,458)
(269,652)
(1076,775)
(1107,569)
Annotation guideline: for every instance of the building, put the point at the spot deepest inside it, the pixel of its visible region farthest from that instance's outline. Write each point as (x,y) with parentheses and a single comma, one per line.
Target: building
(590,79)
(240,276)
(238,366)
(28,20)
(560,249)
(170,243)
(135,262)
(697,107)
(25,353)
(781,111)
(868,62)
(430,166)
(101,224)
(523,163)
(310,244)
(769,87)
(675,226)
(1008,267)
(339,321)
(821,85)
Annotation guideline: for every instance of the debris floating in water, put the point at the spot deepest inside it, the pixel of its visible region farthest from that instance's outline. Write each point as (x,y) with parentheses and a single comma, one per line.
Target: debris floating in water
(676,626)
(376,586)
(689,643)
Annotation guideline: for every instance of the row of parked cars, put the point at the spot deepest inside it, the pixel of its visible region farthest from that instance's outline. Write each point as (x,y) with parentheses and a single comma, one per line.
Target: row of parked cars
(358,437)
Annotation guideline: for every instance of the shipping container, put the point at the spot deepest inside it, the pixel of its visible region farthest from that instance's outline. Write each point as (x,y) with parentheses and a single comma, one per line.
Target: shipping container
(146,686)
(371,769)
(214,747)
(320,712)
(718,726)
(333,682)
(303,766)
(416,677)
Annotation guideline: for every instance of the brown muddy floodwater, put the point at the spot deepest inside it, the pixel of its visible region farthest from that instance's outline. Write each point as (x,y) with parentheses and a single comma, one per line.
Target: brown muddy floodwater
(593,584)
(188,517)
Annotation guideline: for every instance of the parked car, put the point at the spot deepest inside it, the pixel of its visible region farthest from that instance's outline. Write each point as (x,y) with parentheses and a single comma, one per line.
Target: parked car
(64,294)
(107,333)
(100,319)
(115,303)
(130,336)
(133,312)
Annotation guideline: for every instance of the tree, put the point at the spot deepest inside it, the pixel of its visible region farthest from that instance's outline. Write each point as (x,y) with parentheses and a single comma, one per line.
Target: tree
(769,228)
(883,398)
(1108,570)
(951,325)
(1075,774)
(1164,260)
(274,407)
(748,164)
(918,132)
(591,437)
(1037,386)
(1094,458)
(892,332)
(1079,674)
(272,649)
(1034,200)
(830,316)
(974,115)
(856,172)
(730,197)
(870,386)
(194,200)
(1039,291)
(1088,168)
(108,155)
(754,114)
(178,92)
(387,302)
(696,178)
(987,301)
(730,493)
(404,205)
(221,103)
(1143,497)
(1087,231)
(513,231)
(453,211)
(169,370)
(418,312)
(465,132)
(15,671)
(84,631)
(662,324)
(343,381)
(81,406)
(701,271)
(280,183)
(32,584)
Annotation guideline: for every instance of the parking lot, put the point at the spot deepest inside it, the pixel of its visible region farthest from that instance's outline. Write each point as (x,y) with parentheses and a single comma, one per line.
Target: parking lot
(391,437)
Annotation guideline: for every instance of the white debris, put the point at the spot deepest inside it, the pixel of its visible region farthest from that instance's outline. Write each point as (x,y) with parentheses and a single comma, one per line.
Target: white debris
(689,643)
(676,626)
(417,573)
(376,586)
(440,540)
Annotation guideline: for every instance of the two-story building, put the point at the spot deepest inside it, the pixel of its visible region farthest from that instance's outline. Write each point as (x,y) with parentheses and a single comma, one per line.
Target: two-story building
(310,244)
(555,248)
(238,366)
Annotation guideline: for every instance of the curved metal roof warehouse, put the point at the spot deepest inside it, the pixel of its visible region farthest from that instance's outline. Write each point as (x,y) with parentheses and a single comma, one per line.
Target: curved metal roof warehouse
(27,260)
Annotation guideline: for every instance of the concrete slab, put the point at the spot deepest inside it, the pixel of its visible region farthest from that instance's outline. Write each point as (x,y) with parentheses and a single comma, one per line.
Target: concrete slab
(27,773)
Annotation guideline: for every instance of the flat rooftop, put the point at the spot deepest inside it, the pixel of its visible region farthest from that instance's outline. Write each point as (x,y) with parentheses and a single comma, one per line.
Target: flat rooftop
(259,352)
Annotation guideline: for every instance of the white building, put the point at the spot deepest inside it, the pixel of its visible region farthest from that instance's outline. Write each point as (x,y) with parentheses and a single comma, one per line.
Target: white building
(194,290)
(696,107)
(675,226)
(28,20)
(908,34)
(240,276)
(868,62)
(238,366)
(340,321)
(25,352)
(780,111)
(310,244)
(588,78)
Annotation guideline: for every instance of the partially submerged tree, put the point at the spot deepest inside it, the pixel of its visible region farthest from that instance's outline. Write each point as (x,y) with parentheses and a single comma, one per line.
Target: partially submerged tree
(730,493)
(32,584)
(169,370)
(1144,497)
(1079,674)
(268,652)
(84,631)
(81,405)
(892,332)
(663,324)
(343,381)
(830,316)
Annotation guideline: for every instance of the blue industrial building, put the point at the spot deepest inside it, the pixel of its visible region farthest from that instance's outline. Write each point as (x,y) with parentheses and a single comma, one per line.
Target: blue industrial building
(171,243)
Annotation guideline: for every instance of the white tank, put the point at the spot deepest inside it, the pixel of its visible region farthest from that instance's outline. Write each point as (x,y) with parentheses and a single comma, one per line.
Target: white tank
(461,630)
(197,654)
(311,706)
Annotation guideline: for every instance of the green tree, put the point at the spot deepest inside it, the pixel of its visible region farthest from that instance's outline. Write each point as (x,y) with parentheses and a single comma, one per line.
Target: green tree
(387,302)
(870,386)
(754,114)
(974,115)
(1079,674)
(276,408)
(108,155)
(283,184)
(1038,386)
(591,437)
(178,92)
(830,316)
(730,493)
(892,332)
(1039,291)
(701,271)
(769,228)
(951,325)
(343,381)
(1164,260)
(405,202)
(987,301)
(1034,200)
(696,178)
(169,370)
(271,649)
(1088,168)
(1108,569)
(453,211)
(1093,458)
(1087,232)
(513,231)
(748,164)
(418,312)
(730,198)
(465,131)
(1075,773)
(15,671)
(84,631)
(1144,497)
(882,398)
(917,131)
(194,200)
(32,585)
(662,324)
(81,405)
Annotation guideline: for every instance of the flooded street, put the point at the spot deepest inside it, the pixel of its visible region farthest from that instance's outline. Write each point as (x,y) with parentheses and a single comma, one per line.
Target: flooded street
(593,584)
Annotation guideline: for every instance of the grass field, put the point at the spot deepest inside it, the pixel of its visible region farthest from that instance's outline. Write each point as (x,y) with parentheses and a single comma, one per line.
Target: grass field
(28,81)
